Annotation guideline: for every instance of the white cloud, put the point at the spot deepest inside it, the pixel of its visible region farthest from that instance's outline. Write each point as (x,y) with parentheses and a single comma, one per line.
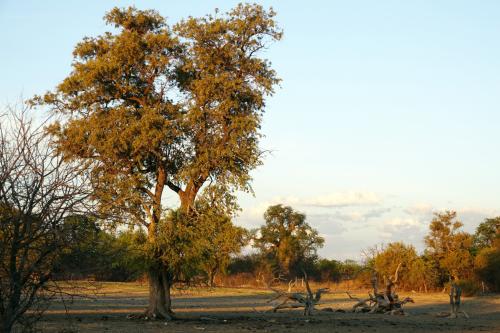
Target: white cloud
(344,199)
(403,222)
(407,229)
(420,209)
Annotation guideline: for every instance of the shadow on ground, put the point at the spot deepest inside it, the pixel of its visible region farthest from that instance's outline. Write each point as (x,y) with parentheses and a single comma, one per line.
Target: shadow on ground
(246,313)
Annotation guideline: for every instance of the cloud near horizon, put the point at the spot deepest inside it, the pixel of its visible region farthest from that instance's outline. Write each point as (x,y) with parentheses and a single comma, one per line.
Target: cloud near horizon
(342,202)
(356,220)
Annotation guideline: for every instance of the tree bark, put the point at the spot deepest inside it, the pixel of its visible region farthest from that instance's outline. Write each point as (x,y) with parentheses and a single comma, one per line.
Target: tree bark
(212,273)
(160,305)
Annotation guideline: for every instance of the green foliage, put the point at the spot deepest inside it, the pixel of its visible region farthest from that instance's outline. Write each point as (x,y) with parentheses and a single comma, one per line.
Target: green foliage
(225,240)
(328,270)
(179,245)
(151,106)
(102,255)
(486,233)
(487,263)
(287,240)
(249,263)
(470,287)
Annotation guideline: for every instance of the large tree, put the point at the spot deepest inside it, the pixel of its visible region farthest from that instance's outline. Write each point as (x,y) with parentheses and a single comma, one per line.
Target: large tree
(149,107)
(287,239)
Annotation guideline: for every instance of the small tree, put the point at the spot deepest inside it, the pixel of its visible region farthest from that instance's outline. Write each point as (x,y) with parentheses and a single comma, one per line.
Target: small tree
(37,192)
(215,208)
(287,239)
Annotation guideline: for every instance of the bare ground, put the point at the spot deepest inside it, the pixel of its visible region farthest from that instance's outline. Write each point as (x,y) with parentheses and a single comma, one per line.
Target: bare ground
(243,310)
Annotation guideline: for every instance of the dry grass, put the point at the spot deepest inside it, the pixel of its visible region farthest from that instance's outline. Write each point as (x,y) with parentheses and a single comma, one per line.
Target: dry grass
(242,310)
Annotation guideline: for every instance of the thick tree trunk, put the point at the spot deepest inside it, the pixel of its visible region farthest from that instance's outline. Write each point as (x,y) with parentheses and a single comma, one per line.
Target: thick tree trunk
(160,303)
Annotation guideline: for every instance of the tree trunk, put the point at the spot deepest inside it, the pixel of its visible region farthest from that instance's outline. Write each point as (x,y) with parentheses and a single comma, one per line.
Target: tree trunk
(160,303)
(212,274)
(187,199)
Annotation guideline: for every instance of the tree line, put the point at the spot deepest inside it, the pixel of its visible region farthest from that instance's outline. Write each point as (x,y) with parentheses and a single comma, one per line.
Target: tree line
(286,245)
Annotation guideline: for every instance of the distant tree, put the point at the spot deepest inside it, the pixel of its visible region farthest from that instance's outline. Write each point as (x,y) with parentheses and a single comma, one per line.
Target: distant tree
(449,247)
(149,107)
(486,233)
(349,269)
(82,256)
(99,254)
(392,255)
(248,263)
(414,273)
(287,239)
(225,240)
(487,261)
(329,270)
(38,191)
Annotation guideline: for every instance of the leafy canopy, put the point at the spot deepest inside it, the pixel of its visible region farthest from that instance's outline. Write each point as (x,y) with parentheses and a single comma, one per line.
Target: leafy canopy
(150,106)
(449,246)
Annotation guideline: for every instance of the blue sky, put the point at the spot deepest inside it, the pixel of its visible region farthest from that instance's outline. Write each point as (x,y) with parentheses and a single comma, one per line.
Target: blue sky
(388,110)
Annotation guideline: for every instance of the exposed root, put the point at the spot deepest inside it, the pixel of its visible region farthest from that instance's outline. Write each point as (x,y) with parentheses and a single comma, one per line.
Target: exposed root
(147,315)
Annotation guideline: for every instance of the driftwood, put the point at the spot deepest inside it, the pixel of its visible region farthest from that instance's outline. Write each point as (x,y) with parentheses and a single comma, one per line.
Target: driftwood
(289,300)
(387,302)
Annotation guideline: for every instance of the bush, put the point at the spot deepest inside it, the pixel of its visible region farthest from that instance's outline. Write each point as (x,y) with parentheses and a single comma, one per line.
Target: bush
(469,287)
(488,267)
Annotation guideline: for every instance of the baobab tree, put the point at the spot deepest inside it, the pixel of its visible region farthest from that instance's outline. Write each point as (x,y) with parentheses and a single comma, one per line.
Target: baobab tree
(150,107)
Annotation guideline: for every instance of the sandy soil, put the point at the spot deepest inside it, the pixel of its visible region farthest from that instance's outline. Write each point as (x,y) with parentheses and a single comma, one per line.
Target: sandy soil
(243,310)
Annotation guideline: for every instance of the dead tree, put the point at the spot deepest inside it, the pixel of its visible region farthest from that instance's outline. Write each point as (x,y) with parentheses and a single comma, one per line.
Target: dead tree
(455,295)
(455,302)
(387,302)
(289,300)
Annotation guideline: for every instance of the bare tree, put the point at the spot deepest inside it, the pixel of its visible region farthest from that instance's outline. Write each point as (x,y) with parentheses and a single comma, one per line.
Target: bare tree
(38,190)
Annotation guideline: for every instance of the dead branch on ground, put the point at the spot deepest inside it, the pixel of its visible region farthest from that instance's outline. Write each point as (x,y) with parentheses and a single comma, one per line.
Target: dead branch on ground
(289,300)
(387,302)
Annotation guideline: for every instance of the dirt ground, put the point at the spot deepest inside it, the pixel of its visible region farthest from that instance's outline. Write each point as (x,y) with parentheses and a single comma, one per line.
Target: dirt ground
(243,310)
